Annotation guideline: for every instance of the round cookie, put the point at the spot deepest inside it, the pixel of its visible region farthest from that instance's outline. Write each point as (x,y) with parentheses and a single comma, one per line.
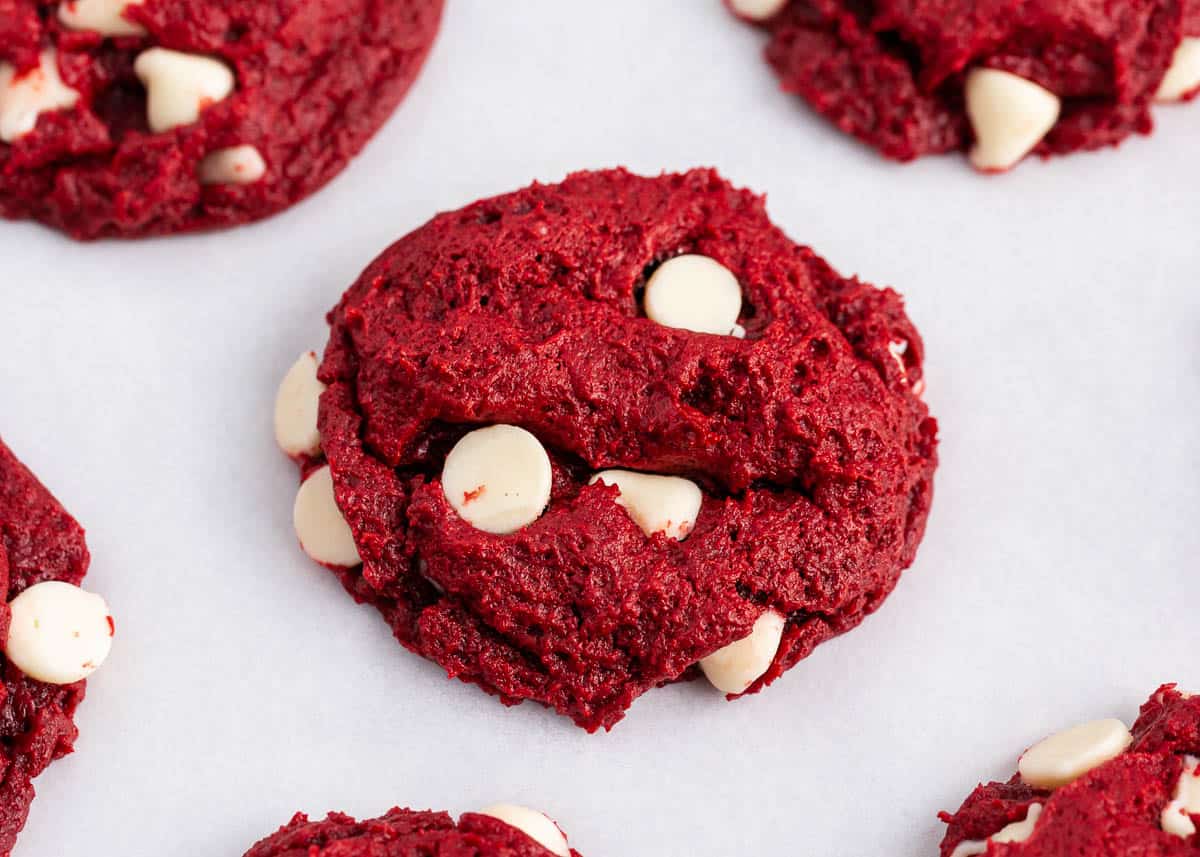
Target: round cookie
(500,831)
(561,499)
(1000,79)
(1095,790)
(139,117)
(42,554)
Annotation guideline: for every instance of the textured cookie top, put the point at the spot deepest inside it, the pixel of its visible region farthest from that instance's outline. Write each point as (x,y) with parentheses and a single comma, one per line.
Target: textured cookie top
(813,455)
(132,117)
(1114,798)
(400,833)
(895,73)
(39,542)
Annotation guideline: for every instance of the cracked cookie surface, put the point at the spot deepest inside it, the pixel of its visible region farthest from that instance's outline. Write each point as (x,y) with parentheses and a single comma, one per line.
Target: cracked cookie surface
(802,428)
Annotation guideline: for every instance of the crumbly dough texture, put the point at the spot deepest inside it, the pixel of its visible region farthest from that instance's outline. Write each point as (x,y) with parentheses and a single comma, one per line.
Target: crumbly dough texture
(815,456)
(891,72)
(38,541)
(1115,810)
(315,80)
(399,833)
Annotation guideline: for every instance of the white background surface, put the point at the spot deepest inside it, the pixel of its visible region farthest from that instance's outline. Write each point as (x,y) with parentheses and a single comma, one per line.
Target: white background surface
(1058,580)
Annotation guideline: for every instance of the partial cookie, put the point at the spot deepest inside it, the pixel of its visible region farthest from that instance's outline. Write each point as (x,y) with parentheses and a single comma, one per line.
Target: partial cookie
(139,117)
(54,633)
(999,79)
(589,438)
(503,830)
(1095,790)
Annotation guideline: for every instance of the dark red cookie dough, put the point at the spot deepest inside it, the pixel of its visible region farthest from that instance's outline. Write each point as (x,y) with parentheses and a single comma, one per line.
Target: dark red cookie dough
(38,541)
(1115,810)
(891,72)
(315,80)
(814,454)
(399,833)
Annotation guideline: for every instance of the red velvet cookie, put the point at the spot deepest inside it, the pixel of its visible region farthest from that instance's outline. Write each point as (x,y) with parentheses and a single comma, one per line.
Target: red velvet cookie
(43,559)
(139,117)
(1096,790)
(589,438)
(1002,78)
(501,831)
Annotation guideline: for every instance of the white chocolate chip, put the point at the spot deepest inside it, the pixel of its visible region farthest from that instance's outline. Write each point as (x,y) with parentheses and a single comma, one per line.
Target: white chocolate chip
(657,504)
(23,99)
(235,165)
(1176,818)
(737,666)
(898,349)
(498,478)
(1018,831)
(1021,830)
(1065,756)
(1010,116)
(296,406)
(1183,77)
(758,10)
(536,825)
(323,532)
(59,633)
(694,293)
(106,17)
(180,86)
